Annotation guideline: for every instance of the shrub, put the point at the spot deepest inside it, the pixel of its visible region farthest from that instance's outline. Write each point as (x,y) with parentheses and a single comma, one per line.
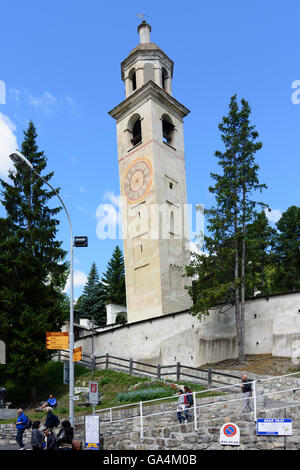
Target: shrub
(146,394)
(154,383)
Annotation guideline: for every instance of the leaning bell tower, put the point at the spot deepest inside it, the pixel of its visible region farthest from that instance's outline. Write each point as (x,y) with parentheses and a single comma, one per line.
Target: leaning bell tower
(153,183)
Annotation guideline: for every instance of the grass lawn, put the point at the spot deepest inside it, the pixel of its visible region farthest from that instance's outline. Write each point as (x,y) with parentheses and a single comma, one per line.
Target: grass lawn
(111,383)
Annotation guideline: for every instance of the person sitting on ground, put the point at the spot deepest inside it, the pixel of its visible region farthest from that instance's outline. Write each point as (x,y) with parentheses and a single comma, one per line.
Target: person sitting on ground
(65,436)
(50,402)
(50,439)
(37,438)
(52,420)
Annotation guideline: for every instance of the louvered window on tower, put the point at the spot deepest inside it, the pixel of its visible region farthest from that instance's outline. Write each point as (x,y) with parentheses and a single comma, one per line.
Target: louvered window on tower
(136,133)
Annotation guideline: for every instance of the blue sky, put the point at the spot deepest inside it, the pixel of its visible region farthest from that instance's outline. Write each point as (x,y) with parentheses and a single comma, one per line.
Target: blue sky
(60,62)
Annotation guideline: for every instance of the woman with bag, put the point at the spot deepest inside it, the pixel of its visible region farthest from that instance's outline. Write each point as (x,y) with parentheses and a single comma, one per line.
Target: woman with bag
(65,436)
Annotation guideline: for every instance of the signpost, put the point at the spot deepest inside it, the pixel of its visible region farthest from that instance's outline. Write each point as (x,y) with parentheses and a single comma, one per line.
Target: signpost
(230,435)
(66,373)
(92,440)
(274,427)
(77,354)
(93,394)
(81,390)
(57,340)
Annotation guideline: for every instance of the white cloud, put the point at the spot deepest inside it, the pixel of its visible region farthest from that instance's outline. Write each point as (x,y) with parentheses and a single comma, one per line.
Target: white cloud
(113,198)
(8,143)
(79,279)
(109,217)
(273,215)
(43,103)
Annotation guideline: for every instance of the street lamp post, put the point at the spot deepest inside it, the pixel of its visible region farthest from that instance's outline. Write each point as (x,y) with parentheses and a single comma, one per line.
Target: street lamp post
(20,160)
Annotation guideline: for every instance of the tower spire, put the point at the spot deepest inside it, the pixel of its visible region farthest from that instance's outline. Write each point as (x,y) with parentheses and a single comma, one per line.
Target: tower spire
(144,30)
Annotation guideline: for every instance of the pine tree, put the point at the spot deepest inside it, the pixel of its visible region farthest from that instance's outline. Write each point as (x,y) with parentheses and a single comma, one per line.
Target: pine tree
(92,302)
(33,260)
(114,279)
(287,251)
(260,255)
(225,266)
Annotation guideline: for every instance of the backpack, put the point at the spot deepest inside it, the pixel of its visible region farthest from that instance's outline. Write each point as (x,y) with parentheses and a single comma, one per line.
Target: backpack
(28,423)
(56,421)
(190,399)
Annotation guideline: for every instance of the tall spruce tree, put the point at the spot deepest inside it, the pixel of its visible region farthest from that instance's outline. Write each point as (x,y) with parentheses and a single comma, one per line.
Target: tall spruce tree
(92,301)
(224,269)
(114,279)
(286,276)
(33,272)
(260,258)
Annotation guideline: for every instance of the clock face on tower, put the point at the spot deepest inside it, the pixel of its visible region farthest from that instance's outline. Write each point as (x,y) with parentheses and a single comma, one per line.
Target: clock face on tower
(138,180)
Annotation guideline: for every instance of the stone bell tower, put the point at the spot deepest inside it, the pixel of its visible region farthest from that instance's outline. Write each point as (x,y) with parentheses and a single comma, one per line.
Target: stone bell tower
(153,183)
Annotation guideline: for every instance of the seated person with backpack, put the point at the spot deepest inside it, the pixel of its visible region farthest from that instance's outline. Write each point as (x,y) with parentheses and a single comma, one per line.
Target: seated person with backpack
(52,421)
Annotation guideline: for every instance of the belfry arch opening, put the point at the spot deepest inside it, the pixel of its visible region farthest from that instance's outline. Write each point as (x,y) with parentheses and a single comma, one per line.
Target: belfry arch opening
(164,79)
(167,129)
(135,129)
(132,77)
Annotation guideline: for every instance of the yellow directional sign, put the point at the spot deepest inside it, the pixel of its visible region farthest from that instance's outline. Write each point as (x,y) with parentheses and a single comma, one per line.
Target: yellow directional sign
(77,354)
(57,340)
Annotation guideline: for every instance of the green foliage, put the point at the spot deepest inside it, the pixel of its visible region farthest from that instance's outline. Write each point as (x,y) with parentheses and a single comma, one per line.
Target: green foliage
(33,272)
(114,279)
(121,317)
(142,395)
(92,302)
(154,383)
(286,277)
(220,275)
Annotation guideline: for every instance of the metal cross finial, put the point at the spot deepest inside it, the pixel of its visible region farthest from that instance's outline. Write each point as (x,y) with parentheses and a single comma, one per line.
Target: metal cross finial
(142,16)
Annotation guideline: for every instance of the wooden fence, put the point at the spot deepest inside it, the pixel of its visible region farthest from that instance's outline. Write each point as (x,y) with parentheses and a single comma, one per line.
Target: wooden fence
(178,370)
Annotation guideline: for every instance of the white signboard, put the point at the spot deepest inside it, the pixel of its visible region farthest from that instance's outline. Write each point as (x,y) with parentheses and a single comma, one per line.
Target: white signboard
(93,393)
(92,440)
(76,397)
(81,389)
(230,435)
(274,427)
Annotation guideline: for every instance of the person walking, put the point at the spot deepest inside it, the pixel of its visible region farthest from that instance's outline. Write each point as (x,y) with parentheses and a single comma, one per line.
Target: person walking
(20,426)
(37,439)
(65,436)
(188,401)
(247,392)
(180,406)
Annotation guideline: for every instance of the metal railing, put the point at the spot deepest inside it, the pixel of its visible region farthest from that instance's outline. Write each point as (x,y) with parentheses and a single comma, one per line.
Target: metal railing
(198,408)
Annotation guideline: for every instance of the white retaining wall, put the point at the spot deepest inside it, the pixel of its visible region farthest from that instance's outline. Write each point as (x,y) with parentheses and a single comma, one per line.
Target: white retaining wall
(272,327)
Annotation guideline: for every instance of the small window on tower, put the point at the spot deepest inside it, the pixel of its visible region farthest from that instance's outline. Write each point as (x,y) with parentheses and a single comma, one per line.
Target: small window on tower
(132,76)
(167,130)
(136,132)
(164,78)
